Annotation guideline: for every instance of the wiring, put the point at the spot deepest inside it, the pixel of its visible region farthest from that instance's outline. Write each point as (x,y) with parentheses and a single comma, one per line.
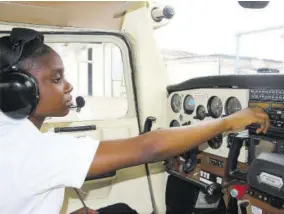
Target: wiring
(81,199)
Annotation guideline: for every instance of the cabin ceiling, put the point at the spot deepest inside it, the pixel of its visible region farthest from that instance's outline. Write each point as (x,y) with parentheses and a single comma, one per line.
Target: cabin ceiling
(82,14)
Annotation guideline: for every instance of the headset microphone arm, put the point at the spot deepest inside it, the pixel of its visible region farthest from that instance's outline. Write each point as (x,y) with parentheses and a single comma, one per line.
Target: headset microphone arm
(80,103)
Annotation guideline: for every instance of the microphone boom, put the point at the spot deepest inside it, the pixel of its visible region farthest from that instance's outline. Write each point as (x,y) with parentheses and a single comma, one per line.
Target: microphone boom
(80,103)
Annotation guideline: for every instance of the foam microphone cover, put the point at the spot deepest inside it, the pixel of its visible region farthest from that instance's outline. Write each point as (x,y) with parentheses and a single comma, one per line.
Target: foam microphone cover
(80,101)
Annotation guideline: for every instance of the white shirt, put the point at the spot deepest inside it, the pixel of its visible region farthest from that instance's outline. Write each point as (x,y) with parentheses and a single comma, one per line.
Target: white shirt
(36,167)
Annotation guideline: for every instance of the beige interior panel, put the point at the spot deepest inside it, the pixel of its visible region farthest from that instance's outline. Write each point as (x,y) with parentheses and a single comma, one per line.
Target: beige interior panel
(81,14)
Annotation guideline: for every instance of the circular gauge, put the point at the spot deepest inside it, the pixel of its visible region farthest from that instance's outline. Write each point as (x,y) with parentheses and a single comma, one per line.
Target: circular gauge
(176,103)
(188,104)
(215,107)
(174,123)
(216,142)
(200,112)
(232,106)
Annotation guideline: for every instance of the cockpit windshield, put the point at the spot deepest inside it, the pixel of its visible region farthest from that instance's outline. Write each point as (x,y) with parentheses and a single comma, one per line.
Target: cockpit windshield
(221,37)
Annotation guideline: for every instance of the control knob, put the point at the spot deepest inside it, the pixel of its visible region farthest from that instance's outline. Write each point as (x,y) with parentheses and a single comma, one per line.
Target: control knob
(190,160)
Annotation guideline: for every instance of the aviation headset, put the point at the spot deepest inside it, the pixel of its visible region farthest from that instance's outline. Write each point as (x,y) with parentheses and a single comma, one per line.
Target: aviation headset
(19,92)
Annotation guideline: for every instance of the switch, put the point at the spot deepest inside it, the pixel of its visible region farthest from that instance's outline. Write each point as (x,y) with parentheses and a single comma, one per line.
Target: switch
(219,180)
(208,176)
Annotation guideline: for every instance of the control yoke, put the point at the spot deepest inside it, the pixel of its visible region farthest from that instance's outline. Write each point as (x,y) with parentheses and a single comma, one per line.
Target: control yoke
(231,171)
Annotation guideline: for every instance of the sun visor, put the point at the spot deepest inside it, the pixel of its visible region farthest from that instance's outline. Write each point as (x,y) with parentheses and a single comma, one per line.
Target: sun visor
(99,15)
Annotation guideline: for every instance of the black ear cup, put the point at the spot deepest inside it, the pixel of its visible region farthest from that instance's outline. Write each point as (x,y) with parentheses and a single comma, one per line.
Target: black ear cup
(20,99)
(19,92)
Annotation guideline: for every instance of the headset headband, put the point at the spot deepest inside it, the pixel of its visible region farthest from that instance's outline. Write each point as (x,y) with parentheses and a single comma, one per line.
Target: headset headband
(11,47)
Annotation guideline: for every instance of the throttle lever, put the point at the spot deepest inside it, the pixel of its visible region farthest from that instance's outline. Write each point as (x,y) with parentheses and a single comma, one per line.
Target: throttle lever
(209,189)
(213,193)
(214,189)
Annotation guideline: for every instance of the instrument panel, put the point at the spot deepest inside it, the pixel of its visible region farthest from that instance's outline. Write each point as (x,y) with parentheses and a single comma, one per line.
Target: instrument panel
(190,107)
(231,156)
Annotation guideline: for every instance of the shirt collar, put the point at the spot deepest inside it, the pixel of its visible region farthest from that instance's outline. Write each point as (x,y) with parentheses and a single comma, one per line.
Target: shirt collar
(7,122)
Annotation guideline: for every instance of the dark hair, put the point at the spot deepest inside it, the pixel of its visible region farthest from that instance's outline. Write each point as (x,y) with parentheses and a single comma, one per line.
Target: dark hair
(21,45)
(32,53)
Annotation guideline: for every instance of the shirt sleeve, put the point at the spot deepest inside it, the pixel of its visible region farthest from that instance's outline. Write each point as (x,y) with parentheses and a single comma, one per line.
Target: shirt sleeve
(58,160)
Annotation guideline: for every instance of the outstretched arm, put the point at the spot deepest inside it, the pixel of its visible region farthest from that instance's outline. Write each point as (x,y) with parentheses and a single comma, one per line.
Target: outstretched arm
(163,144)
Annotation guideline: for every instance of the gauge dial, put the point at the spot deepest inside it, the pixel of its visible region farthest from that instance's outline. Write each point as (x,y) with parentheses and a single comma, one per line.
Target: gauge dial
(200,112)
(216,142)
(232,106)
(215,107)
(174,123)
(189,104)
(176,103)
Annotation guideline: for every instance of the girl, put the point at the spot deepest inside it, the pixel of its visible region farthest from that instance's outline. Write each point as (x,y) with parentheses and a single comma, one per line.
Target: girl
(36,167)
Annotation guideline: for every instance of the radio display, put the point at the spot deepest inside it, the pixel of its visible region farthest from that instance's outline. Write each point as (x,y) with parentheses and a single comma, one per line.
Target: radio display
(267,105)
(276,115)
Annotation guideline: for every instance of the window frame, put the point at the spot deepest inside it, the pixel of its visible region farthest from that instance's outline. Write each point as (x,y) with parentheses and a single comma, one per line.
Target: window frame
(61,37)
(116,38)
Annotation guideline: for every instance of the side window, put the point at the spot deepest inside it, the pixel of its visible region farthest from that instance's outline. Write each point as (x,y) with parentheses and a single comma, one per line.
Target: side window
(96,73)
